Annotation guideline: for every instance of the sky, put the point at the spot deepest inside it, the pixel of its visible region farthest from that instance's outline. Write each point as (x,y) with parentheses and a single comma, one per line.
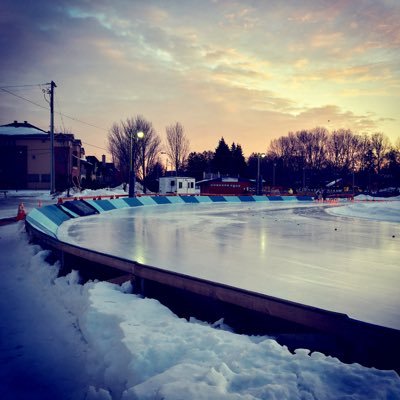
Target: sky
(248,71)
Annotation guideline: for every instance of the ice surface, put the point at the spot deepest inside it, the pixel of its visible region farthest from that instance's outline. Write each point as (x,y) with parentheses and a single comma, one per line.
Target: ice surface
(63,340)
(294,251)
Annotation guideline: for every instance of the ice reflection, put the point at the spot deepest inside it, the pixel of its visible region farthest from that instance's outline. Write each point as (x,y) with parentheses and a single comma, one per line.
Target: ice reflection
(301,254)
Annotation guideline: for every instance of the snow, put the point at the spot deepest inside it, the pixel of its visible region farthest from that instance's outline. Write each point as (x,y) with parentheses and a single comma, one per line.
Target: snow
(60,339)
(376,210)
(16,131)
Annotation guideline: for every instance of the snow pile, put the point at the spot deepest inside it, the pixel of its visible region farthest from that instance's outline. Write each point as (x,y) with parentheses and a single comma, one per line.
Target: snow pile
(119,190)
(97,341)
(377,210)
(367,197)
(161,356)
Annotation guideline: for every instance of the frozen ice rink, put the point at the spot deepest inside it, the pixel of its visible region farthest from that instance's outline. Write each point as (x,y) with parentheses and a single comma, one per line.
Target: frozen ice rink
(293,251)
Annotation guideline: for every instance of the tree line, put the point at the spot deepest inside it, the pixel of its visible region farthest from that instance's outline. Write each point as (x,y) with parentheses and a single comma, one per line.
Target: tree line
(302,159)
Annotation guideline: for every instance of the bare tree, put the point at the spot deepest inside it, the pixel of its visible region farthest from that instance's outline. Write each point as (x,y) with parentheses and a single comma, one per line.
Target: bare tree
(144,150)
(118,146)
(177,146)
(380,146)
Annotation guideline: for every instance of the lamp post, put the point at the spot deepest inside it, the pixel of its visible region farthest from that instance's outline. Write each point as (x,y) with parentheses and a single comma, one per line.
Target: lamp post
(273,174)
(258,182)
(132,154)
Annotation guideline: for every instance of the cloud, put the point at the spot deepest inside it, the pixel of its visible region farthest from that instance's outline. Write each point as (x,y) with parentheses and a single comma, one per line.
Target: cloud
(254,69)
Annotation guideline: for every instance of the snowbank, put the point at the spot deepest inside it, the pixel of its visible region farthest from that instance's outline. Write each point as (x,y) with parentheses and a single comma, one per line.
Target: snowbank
(99,341)
(376,210)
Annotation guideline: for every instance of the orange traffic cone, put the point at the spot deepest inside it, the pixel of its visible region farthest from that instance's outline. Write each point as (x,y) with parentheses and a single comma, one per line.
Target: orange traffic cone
(21,212)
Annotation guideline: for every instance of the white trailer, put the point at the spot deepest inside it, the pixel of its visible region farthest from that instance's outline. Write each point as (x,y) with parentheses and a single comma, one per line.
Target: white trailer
(177,185)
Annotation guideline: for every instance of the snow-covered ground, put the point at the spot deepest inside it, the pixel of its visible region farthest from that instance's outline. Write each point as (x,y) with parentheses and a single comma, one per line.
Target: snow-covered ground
(63,340)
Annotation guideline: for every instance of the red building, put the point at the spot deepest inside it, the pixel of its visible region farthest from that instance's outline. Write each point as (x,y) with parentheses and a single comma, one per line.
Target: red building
(226,186)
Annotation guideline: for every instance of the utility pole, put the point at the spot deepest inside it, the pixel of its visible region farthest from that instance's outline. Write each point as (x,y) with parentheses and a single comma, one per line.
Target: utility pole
(52,168)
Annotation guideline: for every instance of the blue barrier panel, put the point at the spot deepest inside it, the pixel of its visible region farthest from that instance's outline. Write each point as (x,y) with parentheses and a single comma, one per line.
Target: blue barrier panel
(119,203)
(289,198)
(147,201)
(55,214)
(175,199)
(189,199)
(232,199)
(260,198)
(132,201)
(41,222)
(79,207)
(275,198)
(246,198)
(106,205)
(68,211)
(161,200)
(203,199)
(217,199)
(94,205)
(304,198)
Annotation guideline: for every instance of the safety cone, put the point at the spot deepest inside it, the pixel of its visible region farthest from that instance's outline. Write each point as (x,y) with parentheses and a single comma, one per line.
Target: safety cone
(21,212)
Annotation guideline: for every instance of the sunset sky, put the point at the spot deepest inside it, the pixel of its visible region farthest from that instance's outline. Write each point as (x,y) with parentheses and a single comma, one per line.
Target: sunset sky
(248,71)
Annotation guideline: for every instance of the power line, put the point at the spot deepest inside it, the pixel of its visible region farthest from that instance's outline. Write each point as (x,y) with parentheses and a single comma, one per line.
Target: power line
(93,145)
(61,114)
(22,86)
(46,108)
(23,98)
(83,122)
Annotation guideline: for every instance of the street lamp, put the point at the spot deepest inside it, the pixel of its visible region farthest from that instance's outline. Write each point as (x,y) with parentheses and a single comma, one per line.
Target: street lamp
(273,174)
(258,182)
(132,172)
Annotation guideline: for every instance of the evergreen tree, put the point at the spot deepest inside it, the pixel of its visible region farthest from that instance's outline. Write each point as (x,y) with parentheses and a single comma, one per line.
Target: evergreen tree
(198,163)
(238,162)
(222,158)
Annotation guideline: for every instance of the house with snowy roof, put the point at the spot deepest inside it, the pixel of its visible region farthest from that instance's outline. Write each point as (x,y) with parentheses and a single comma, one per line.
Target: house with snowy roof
(25,158)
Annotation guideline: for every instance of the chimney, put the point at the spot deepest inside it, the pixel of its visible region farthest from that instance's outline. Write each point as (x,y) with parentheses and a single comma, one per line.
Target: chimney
(103,160)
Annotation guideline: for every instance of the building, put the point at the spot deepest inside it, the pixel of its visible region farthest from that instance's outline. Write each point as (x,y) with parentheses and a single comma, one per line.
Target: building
(25,158)
(97,174)
(226,186)
(177,185)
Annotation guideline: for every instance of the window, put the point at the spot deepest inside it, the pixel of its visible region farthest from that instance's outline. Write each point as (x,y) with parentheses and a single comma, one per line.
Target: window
(191,185)
(180,185)
(33,177)
(45,177)
(172,183)
(74,158)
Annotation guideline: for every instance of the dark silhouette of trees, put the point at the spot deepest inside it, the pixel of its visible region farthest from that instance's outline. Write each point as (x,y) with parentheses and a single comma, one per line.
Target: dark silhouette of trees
(238,166)
(144,151)
(222,160)
(305,159)
(198,164)
(314,157)
(177,146)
